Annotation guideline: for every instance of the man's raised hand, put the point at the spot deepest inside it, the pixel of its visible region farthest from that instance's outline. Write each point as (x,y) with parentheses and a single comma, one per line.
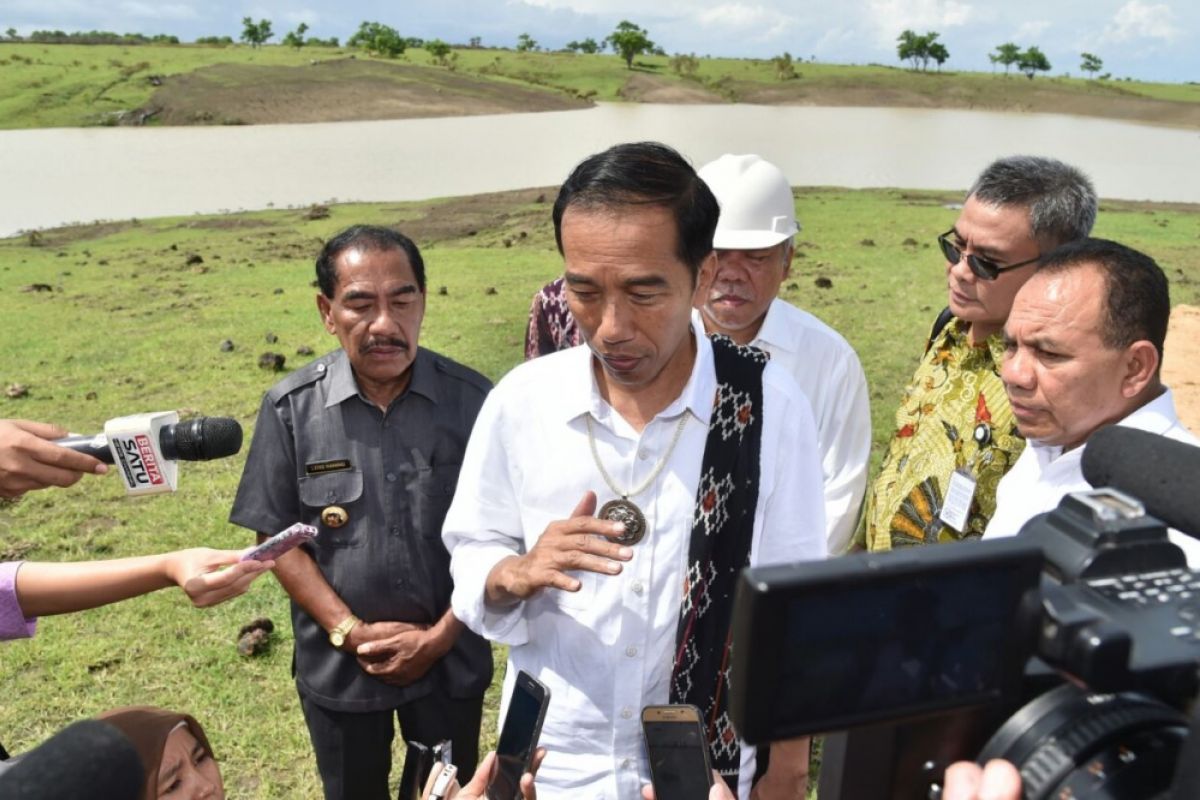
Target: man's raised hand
(581,542)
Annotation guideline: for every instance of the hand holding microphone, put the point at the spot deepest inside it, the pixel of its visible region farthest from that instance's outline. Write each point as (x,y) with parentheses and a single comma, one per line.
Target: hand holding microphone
(30,460)
(145,447)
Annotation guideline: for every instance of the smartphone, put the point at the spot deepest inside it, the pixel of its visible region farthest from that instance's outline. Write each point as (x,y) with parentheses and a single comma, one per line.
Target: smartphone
(675,743)
(418,763)
(281,542)
(519,736)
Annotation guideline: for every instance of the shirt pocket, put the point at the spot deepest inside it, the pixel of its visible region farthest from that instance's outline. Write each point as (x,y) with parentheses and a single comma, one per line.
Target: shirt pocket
(318,492)
(431,500)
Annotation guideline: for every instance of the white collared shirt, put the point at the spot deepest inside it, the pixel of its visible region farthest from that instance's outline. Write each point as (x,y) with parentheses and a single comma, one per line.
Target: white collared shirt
(1044,475)
(827,370)
(607,650)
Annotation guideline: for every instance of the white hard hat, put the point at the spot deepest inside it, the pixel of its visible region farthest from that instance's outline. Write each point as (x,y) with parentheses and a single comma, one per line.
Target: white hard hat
(757,209)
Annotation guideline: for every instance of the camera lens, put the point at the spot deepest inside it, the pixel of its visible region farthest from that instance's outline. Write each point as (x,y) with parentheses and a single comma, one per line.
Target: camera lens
(1068,743)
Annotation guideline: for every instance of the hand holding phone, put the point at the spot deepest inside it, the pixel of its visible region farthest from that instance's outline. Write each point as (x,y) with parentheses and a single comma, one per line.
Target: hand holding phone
(519,736)
(675,742)
(282,542)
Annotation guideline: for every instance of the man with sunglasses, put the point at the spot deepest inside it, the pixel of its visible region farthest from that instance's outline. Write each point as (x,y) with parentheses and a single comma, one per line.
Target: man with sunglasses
(955,432)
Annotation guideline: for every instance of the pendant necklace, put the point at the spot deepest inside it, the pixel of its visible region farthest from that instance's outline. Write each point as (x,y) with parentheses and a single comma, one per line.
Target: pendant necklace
(624,510)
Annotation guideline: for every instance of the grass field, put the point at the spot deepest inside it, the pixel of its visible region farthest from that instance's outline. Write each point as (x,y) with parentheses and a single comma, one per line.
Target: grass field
(129,325)
(44,85)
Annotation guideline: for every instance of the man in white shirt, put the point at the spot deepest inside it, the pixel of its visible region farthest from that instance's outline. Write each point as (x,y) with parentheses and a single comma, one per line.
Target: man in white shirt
(754,243)
(1083,349)
(606,613)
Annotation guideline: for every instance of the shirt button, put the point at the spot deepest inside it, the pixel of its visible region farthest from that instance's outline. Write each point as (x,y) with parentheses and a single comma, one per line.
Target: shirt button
(395,530)
(391,477)
(627,763)
(643,454)
(638,588)
(627,713)
(631,651)
(399,581)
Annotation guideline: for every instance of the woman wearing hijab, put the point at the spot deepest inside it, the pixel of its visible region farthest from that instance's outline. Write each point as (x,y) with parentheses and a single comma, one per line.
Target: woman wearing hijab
(177,757)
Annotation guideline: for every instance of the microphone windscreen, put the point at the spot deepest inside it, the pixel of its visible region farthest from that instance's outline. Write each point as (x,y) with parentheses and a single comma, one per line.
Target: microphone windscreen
(84,760)
(201,439)
(1163,473)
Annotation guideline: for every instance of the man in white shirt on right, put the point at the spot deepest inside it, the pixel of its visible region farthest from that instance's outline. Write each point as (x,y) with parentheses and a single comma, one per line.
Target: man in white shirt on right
(754,246)
(1083,350)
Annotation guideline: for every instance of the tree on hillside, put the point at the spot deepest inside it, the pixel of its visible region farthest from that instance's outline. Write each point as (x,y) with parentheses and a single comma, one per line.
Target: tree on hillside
(1033,61)
(939,53)
(1007,54)
(784,69)
(628,41)
(525,43)
(685,65)
(475,42)
(296,38)
(254,33)
(920,48)
(377,38)
(11,34)
(588,45)
(1091,63)
(439,50)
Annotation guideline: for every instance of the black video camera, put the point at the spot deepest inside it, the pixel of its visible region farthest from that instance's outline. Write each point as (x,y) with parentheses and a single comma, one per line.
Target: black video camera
(1071,650)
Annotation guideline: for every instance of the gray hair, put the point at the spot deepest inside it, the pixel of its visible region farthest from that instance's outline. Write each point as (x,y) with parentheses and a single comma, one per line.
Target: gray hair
(1060,198)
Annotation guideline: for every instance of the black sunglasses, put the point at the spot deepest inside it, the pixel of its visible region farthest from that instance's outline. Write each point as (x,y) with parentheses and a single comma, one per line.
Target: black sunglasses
(981,267)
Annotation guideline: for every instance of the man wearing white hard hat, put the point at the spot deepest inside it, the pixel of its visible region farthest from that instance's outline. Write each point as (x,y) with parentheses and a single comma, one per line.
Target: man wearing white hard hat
(754,243)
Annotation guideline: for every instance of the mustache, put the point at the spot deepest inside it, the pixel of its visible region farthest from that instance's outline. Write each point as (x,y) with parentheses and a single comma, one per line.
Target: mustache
(387,341)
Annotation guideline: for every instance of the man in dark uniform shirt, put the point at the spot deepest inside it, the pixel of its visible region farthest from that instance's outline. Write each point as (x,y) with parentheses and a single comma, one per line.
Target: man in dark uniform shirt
(366,443)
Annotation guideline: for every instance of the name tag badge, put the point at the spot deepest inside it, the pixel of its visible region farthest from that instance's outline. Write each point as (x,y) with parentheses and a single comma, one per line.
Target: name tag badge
(959,494)
(321,467)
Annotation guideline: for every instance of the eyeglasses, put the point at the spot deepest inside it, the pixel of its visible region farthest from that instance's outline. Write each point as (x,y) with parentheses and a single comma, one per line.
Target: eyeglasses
(981,267)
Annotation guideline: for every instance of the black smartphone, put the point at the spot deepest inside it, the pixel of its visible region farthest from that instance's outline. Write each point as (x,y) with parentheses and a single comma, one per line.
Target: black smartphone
(679,765)
(519,736)
(418,763)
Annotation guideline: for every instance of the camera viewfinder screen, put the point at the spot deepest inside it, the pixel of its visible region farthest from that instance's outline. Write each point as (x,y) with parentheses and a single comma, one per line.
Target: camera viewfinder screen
(863,651)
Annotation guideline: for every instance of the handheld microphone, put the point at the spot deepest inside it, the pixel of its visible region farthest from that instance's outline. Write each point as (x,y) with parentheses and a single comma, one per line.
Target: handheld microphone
(1164,474)
(86,759)
(146,447)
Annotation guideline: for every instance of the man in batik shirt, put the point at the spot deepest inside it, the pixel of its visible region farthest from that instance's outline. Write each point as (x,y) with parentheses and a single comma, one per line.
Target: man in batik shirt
(955,434)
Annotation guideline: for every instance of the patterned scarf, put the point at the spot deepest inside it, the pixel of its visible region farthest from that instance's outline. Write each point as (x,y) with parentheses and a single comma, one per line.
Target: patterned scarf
(722,528)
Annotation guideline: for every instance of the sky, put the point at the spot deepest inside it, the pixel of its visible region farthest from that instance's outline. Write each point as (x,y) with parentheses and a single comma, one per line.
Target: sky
(1141,39)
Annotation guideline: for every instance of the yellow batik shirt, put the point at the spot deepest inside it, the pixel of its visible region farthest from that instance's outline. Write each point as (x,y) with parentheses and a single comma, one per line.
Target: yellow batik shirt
(954,416)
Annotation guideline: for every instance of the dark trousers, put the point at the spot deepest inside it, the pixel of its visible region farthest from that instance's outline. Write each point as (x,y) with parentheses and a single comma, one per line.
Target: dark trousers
(354,750)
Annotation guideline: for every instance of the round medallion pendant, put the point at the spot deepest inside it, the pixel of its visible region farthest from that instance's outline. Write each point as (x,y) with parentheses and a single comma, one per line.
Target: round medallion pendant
(625,512)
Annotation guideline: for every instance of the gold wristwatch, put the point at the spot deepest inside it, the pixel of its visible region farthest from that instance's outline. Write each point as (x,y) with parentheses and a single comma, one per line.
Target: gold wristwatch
(337,636)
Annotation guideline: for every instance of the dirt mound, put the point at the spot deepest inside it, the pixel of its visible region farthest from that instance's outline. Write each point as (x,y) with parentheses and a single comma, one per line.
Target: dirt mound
(1102,100)
(1181,364)
(643,88)
(341,90)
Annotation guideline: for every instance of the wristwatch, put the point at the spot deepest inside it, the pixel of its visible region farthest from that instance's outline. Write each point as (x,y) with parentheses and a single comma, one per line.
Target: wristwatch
(337,636)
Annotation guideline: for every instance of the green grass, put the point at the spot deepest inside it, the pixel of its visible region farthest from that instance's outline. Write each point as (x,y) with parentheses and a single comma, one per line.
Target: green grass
(43,85)
(131,321)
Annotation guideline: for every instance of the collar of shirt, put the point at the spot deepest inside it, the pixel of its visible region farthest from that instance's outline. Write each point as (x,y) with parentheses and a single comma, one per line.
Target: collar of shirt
(775,333)
(957,334)
(343,384)
(581,395)
(1157,416)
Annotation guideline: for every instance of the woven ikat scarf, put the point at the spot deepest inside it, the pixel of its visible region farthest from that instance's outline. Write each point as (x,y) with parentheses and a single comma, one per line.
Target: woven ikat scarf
(722,528)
